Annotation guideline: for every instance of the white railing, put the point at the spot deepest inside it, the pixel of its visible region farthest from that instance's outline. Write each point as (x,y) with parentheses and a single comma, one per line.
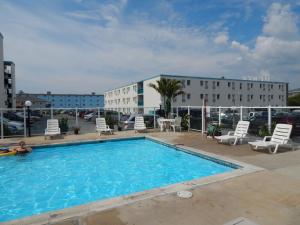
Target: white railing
(200,116)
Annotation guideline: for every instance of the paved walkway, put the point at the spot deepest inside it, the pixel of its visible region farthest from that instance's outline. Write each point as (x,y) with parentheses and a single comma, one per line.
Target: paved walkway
(269,197)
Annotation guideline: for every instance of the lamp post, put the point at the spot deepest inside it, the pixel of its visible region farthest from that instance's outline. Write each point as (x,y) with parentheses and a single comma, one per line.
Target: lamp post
(28,104)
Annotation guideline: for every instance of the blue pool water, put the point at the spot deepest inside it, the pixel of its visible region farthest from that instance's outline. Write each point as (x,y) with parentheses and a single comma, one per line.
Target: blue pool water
(52,178)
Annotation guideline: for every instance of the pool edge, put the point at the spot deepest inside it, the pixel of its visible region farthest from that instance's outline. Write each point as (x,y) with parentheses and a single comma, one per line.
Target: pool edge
(91,208)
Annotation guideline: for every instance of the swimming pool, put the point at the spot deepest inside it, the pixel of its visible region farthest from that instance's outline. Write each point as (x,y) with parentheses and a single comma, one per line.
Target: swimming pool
(57,177)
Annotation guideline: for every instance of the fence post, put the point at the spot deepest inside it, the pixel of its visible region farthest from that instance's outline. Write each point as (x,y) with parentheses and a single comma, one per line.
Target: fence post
(25,124)
(98,112)
(269,119)
(177,111)
(241,113)
(51,113)
(220,120)
(76,116)
(203,120)
(189,118)
(119,115)
(2,130)
(154,115)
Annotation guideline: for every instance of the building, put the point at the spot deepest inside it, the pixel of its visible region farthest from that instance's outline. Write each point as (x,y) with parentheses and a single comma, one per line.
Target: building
(66,100)
(2,90)
(294,92)
(7,81)
(10,84)
(217,92)
(36,102)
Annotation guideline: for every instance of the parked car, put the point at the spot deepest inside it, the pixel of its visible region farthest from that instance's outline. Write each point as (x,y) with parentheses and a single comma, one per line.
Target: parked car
(15,127)
(293,119)
(129,123)
(13,116)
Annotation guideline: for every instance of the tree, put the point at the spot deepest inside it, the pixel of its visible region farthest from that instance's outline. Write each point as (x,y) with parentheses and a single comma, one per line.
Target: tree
(294,100)
(168,90)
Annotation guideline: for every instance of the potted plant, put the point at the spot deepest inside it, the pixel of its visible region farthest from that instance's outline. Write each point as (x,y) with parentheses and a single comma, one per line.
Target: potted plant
(185,123)
(76,130)
(63,124)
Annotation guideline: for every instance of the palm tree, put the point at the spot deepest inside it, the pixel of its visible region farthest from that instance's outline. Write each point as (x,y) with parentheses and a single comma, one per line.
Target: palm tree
(168,90)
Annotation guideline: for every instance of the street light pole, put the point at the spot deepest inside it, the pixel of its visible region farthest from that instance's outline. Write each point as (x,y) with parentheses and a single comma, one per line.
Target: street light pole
(28,104)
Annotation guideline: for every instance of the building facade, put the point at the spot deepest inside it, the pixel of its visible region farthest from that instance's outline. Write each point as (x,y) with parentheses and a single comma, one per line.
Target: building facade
(216,91)
(66,100)
(10,84)
(7,81)
(2,90)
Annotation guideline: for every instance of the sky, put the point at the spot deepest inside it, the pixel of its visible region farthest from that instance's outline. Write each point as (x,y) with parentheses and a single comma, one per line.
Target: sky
(84,46)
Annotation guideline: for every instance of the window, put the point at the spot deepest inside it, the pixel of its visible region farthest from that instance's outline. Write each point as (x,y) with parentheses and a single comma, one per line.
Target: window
(175,99)
(188,96)
(241,98)
(188,82)
(201,82)
(218,83)
(214,84)
(183,97)
(260,86)
(228,96)
(206,84)
(218,96)
(183,83)
(214,97)
(229,84)
(201,96)
(241,85)
(251,85)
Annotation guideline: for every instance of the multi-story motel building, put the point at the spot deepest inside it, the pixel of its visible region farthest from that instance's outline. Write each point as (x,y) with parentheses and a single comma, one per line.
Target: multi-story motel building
(48,99)
(216,92)
(7,81)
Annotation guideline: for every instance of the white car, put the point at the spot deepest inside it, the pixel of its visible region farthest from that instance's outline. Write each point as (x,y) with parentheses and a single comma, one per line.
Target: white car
(89,116)
(14,126)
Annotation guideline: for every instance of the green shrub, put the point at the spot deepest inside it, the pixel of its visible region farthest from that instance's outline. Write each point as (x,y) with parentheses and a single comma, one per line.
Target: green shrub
(64,125)
(185,123)
(111,121)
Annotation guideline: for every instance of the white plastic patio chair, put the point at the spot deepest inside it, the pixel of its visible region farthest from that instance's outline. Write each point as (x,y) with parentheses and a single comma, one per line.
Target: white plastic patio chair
(139,124)
(101,126)
(160,123)
(52,128)
(280,137)
(177,123)
(239,134)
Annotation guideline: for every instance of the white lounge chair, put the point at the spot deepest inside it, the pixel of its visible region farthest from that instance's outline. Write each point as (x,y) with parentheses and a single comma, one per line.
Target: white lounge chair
(52,128)
(239,134)
(139,124)
(102,127)
(177,123)
(280,137)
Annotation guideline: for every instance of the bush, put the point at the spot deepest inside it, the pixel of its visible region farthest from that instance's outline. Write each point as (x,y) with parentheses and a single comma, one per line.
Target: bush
(64,125)
(111,121)
(185,123)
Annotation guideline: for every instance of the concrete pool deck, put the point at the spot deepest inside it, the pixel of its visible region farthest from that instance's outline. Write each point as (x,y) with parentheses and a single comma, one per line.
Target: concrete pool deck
(271,196)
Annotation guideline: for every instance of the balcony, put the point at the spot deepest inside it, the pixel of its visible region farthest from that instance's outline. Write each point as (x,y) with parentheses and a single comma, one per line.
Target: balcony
(140,103)
(140,91)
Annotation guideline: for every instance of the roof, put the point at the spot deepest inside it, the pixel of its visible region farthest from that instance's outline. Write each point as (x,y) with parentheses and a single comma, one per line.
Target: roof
(25,97)
(195,77)
(295,90)
(37,94)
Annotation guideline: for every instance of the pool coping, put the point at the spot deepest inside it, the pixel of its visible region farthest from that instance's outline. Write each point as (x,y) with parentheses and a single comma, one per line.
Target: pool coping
(80,211)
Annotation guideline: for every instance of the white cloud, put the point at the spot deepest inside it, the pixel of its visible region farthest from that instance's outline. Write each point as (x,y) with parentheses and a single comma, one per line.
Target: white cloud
(276,50)
(239,46)
(63,53)
(280,22)
(221,38)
